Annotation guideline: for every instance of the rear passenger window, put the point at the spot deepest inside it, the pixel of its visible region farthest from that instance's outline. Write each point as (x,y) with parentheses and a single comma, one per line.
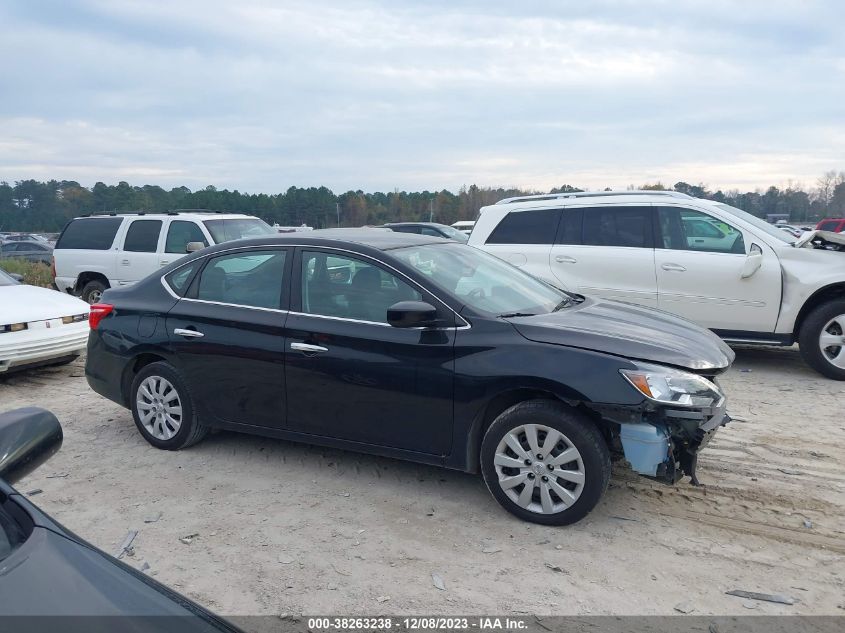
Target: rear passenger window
(179,278)
(830,225)
(96,234)
(142,236)
(618,226)
(526,227)
(246,278)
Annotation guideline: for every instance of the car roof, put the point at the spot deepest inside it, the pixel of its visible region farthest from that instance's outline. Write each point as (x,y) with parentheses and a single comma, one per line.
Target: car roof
(204,215)
(414,224)
(369,238)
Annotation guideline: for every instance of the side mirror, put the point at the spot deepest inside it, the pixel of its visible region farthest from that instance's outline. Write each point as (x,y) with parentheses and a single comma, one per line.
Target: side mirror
(192,247)
(28,438)
(753,261)
(412,314)
(16,276)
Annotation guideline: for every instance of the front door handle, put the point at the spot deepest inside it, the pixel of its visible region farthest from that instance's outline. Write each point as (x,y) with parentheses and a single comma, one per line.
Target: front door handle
(125,262)
(674,268)
(164,262)
(188,333)
(565,259)
(305,347)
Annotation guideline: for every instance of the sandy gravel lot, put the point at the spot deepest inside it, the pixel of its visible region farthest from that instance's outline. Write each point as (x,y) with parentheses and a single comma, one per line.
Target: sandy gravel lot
(287,528)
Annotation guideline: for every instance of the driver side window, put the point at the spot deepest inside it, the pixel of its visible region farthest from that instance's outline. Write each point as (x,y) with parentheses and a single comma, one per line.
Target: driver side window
(350,288)
(691,230)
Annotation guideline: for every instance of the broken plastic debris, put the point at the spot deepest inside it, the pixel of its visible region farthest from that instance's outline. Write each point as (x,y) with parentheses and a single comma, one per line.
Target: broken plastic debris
(768,597)
(438,582)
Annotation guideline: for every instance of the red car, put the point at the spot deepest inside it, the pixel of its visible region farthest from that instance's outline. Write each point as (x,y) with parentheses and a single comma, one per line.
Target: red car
(834,225)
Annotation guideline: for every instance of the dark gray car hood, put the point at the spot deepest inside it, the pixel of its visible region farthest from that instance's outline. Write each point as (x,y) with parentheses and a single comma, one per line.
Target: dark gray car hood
(630,331)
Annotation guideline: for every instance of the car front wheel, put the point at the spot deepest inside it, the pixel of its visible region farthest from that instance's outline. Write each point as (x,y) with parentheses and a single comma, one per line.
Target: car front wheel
(545,462)
(163,410)
(822,339)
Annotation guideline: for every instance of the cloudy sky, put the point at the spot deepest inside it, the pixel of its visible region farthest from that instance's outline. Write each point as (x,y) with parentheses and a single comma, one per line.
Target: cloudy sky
(260,95)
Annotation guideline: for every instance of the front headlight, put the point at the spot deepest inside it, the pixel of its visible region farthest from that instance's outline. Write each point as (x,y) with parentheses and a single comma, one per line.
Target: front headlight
(673,386)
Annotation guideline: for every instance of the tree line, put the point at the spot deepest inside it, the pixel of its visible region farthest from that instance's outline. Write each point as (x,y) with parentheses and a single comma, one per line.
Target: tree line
(31,205)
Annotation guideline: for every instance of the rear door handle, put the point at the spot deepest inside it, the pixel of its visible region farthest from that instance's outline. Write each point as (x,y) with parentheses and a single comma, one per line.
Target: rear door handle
(673,268)
(164,262)
(565,259)
(125,262)
(188,333)
(305,347)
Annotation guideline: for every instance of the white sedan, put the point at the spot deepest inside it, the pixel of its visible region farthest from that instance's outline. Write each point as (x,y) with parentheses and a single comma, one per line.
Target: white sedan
(39,326)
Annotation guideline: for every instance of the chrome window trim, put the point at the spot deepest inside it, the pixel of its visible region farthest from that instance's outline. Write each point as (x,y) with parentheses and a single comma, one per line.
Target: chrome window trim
(236,305)
(463,323)
(348,320)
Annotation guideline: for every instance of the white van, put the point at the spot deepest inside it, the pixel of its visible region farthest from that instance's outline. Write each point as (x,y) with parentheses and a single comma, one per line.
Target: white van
(103,251)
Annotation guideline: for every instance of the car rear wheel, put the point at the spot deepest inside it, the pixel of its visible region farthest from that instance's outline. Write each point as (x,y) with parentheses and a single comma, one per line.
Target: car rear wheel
(163,410)
(822,339)
(93,291)
(545,462)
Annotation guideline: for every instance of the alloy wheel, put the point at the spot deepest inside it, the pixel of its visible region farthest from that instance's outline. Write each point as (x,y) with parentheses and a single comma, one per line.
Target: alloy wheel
(832,341)
(159,407)
(539,468)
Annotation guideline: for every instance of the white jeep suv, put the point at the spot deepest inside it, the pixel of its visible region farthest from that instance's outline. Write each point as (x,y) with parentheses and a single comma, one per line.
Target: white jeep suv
(714,264)
(97,252)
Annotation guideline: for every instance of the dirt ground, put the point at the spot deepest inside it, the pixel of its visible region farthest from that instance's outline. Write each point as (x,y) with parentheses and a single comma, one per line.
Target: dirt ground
(287,528)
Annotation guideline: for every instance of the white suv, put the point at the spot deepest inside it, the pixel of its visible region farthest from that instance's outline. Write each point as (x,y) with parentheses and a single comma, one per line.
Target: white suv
(97,252)
(719,266)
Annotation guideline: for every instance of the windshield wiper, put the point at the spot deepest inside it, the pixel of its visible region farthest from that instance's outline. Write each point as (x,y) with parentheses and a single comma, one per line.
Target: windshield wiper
(510,315)
(563,304)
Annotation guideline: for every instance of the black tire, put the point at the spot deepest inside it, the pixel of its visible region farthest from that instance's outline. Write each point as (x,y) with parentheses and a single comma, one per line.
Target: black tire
(93,291)
(190,430)
(578,430)
(808,338)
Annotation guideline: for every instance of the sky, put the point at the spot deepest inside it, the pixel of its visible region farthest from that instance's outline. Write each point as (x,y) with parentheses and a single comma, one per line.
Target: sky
(259,96)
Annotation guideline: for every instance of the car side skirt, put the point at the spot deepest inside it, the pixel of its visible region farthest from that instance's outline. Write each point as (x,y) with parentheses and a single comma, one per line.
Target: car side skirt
(755,338)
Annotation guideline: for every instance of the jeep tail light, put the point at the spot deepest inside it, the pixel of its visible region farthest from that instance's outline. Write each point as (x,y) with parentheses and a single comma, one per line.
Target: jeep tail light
(99,311)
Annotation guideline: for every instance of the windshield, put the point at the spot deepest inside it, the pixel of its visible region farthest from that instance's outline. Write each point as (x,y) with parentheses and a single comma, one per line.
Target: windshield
(761,224)
(484,282)
(237,228)
(5,280)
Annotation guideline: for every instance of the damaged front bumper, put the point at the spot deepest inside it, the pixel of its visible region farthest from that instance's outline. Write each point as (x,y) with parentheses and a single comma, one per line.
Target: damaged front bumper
(663,442)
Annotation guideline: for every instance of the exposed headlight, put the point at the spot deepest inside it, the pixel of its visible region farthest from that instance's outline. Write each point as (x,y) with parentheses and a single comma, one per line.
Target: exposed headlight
(673,386)
(12,327)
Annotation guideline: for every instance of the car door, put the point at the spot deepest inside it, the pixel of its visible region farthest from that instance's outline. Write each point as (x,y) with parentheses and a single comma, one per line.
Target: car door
(228,334)
(178,235)
(352,376)
(607,251)
(702,279)
(138,255)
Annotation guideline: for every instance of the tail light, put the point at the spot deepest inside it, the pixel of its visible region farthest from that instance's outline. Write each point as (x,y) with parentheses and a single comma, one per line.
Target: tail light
(99,311)
(53,267)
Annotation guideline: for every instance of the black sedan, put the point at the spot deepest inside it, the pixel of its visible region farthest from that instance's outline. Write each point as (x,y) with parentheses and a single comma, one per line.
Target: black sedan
(411,347)
(47,571)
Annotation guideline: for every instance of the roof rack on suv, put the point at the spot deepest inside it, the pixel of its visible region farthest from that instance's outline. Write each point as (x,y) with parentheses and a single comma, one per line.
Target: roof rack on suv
(594,194)
(170,212)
